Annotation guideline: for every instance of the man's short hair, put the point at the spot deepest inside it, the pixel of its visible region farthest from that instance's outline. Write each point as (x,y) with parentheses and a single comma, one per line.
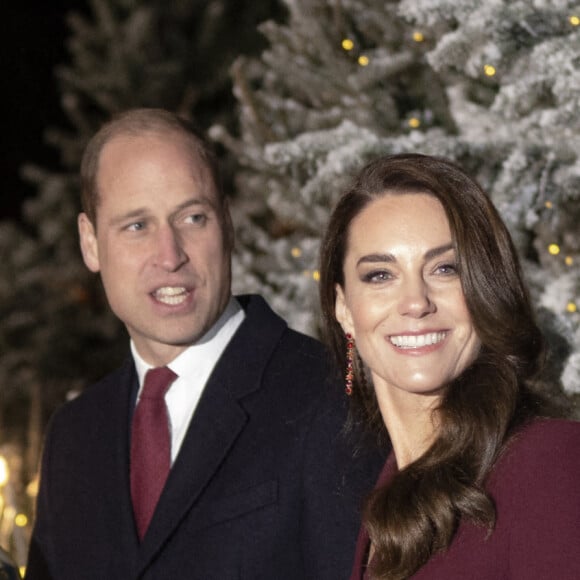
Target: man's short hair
(136,122)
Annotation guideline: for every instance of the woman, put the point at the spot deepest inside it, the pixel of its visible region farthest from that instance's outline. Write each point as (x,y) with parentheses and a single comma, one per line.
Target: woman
(422,292)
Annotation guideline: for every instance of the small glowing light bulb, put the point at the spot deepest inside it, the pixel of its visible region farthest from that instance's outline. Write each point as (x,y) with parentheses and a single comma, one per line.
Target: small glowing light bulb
(549,205)
(4,473)
(414,122)
(21,520)
(554,249)
(489,70)
(363,60)
(571,307)
(569,261)
(296,252)
(418,36)
(347,44)
(574,20)
(316,276)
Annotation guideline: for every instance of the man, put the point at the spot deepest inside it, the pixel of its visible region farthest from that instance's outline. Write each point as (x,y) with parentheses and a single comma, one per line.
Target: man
(260,482)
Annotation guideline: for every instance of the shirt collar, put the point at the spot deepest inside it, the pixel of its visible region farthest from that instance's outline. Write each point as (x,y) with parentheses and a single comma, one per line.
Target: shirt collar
(198,360)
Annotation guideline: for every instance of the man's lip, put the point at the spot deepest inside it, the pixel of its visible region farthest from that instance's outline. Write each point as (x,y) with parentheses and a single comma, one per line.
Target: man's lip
(170,290)
(171,294)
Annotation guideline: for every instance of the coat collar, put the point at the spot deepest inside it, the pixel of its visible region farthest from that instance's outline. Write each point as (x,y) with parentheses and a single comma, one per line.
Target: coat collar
(218,420)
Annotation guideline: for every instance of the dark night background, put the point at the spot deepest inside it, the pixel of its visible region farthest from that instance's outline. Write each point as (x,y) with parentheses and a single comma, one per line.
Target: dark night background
(33,42)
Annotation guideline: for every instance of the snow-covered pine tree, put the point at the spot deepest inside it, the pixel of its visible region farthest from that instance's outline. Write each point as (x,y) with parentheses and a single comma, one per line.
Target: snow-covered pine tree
(337,80)
(493,85)
(512,71)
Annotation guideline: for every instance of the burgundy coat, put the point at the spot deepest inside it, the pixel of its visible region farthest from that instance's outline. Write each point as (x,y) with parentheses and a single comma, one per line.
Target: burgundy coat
(536,489)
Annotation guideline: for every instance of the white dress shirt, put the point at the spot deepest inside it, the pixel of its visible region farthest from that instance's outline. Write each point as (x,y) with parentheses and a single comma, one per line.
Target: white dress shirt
(193,368)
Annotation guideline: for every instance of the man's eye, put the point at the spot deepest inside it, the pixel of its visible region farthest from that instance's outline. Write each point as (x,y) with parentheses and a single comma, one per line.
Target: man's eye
(135,227)
(196,218)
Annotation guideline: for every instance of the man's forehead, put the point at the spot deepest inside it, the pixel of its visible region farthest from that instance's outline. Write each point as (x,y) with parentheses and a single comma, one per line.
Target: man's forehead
(145,138)
(136,146)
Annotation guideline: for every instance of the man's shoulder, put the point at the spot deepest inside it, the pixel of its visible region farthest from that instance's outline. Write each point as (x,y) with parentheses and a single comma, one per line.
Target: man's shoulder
(100,395)
(288,360)
(123,374)
(260,316)
(265,326)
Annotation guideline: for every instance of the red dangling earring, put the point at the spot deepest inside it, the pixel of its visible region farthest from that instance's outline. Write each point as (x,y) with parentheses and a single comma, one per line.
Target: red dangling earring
(349,369)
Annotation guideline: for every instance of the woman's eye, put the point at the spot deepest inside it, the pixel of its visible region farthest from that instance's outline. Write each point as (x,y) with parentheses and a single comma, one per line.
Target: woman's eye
(447,269)
(375,276)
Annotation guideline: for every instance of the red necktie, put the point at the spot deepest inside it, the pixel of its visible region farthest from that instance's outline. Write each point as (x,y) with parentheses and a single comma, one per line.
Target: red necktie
(150,446)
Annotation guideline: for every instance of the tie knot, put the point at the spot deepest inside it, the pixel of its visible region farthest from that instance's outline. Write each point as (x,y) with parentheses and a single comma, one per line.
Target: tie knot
(157,382)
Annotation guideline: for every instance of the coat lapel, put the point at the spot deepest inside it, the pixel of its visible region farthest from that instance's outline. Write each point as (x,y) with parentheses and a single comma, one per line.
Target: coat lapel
(111,466)
(217,423)
(124,416)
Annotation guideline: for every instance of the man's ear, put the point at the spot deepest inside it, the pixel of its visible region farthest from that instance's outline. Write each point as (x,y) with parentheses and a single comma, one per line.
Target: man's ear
(342,312)
(88,240)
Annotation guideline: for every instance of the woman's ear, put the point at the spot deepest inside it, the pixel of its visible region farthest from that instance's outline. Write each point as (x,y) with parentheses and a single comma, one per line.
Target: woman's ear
(88,240)
(342,312)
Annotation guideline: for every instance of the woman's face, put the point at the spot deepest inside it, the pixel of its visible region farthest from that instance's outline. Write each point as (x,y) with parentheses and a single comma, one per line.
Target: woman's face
(402,298)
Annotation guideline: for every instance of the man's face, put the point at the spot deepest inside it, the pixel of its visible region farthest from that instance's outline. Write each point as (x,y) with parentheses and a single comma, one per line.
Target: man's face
(160,243)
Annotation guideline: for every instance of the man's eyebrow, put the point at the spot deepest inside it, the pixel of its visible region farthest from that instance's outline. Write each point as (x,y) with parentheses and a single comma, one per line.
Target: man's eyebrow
(142,212)
(134,213)
(199,202)
(390,259)
(192,202)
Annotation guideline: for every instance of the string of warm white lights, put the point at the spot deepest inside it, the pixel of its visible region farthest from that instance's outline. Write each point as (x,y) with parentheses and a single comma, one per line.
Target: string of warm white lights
(489,70)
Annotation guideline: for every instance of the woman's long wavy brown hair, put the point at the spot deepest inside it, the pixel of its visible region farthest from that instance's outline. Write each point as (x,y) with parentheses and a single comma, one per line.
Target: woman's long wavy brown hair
(417,514)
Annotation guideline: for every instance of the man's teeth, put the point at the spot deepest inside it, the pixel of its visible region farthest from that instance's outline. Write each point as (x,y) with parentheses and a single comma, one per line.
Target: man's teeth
(417,340)
(171,295)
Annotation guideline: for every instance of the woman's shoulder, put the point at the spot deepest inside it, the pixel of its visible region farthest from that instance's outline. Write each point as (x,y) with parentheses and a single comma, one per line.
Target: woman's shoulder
(543,447)
(535,489)
(543,433)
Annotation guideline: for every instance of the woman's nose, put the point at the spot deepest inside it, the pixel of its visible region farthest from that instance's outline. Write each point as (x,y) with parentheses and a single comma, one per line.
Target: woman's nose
(415,299)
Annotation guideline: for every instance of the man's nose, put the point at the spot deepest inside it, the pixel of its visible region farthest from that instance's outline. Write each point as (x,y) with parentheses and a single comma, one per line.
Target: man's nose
(169,251)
